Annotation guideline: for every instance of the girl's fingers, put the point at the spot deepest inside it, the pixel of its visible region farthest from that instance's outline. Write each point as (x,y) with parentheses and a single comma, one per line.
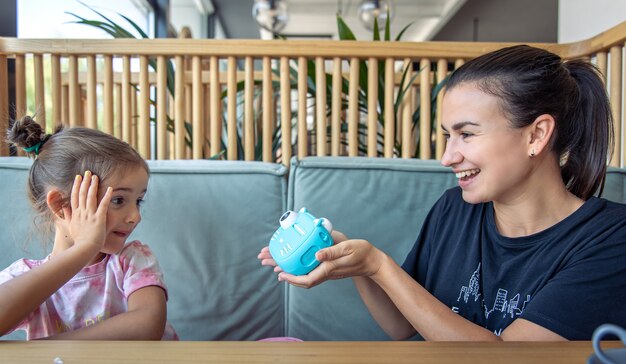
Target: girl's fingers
(105,201)
(84,188)
(75,190)
(92,194)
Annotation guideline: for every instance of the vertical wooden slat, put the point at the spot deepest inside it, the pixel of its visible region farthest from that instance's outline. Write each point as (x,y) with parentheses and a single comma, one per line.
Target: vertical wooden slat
(458,63)
(372,107)
(20,86)
(231,111)
(407,112)
(390,117)
(302,107)
(74,95)
(440,142)
(134,118)
(4,102)
(55,91)
(216,107)
(602,63)
(320,105)
(91,115)
(615,94)
(353,109)
(143,122)
(425,128)
(248,126)
(117,118)
(179,109)
(126,98)
(335,118)
(206,117)
(65,104)
(40,104)
(285,110)
(161,107)
(171,136)
(268,129)
(197,101)
(107,95)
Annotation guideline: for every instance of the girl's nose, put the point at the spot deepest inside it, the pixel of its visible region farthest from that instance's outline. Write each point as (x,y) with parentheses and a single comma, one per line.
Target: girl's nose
(134,216)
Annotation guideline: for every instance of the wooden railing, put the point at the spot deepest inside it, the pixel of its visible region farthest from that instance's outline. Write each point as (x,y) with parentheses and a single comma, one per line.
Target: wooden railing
(260,100)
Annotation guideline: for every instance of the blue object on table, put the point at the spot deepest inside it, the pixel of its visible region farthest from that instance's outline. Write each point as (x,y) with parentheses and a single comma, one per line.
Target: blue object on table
(612,356)
(299,237)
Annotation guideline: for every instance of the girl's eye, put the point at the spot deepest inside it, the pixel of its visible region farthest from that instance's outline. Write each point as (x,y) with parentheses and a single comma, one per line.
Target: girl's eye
(140,201)
(117,200)
(465,135)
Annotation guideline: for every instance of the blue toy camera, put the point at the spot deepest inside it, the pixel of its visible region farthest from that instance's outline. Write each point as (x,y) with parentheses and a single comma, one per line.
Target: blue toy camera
(299,237)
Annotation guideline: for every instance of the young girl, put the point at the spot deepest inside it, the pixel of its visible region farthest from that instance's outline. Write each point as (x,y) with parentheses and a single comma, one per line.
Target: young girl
(521,249)
(86,187)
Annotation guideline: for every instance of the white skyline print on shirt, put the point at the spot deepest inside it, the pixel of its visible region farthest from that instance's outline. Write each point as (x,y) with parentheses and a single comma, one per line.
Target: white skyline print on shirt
(500,303)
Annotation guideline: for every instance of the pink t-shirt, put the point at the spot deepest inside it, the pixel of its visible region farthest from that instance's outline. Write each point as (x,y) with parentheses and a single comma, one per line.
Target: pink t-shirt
(96,293)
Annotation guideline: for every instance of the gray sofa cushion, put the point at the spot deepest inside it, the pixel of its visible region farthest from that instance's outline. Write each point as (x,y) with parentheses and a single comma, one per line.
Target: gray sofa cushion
(383,201)
(615,185)
(206,222)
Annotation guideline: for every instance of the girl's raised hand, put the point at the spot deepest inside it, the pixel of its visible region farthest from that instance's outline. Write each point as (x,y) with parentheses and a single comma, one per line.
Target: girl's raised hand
(86,218)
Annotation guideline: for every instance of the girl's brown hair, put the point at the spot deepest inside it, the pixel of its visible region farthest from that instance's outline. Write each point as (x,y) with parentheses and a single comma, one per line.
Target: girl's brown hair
(68,152)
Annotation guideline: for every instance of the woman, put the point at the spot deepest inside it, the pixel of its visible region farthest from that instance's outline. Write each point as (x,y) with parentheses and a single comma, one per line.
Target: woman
(521,249)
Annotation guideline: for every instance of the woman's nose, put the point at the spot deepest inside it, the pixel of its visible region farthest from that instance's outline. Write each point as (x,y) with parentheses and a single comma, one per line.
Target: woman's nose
(451,155)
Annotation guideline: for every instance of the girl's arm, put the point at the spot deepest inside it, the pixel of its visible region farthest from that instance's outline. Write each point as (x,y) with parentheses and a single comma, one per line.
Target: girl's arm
(23,294)
(144,320)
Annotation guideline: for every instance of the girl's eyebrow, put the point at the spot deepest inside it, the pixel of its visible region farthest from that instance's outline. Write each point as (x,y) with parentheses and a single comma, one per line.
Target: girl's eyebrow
(460,125)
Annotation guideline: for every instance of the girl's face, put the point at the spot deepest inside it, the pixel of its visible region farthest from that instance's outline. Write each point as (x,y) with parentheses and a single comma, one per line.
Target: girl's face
(124,214)
(488,156)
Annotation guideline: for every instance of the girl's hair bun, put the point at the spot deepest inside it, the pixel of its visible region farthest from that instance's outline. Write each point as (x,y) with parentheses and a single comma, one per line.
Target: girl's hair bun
(25,133)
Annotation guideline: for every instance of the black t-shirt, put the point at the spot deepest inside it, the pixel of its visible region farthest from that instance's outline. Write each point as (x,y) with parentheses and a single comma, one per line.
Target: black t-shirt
(569,278)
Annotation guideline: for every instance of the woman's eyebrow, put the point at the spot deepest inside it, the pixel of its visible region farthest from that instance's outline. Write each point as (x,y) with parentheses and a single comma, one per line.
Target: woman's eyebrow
(460,125)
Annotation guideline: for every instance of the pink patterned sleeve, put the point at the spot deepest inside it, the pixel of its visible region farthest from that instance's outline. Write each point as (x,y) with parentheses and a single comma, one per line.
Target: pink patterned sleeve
(140,267)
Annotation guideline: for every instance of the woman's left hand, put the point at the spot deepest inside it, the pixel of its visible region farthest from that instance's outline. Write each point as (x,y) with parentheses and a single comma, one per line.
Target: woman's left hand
(347,258)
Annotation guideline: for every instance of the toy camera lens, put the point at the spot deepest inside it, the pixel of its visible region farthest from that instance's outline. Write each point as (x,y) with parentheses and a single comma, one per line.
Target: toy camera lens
(285,215)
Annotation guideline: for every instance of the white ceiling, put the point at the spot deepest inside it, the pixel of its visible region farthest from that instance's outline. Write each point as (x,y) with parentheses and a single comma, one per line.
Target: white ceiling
(317,18)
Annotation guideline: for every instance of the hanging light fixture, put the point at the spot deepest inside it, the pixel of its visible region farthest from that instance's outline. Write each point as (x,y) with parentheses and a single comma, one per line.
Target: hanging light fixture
(375,9)
(271,15)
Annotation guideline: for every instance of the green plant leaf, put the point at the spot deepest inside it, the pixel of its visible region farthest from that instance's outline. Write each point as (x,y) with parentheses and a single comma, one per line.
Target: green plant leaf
(344,32)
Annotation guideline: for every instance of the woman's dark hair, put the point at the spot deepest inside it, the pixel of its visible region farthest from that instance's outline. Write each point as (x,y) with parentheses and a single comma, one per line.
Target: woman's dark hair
(530,82)
(60,156)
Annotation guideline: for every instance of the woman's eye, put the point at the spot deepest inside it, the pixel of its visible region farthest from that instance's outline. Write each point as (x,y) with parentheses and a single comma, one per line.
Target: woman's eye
(117,200)
(140,201)
(465,135)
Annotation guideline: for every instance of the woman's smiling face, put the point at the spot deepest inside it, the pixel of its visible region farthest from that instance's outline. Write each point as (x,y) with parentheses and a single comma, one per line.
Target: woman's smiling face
(489,157)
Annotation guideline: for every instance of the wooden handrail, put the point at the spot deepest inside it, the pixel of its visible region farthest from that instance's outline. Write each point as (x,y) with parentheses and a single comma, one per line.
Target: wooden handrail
(252,96)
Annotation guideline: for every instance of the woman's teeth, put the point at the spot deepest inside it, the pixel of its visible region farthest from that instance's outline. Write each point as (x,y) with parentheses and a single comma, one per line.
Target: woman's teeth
(467,173)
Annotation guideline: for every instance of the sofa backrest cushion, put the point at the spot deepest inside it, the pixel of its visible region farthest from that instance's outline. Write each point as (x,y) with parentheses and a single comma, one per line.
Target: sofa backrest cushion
(382,200)
(206,221)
